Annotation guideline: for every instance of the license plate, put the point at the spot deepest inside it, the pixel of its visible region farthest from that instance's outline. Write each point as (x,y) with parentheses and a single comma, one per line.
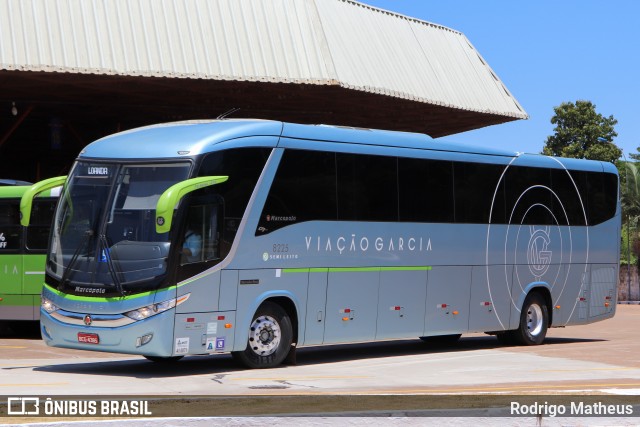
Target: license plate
(88,338)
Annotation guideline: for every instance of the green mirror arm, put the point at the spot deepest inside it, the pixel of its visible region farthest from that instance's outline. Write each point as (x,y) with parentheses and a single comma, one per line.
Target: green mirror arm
(26,201)
(172,196)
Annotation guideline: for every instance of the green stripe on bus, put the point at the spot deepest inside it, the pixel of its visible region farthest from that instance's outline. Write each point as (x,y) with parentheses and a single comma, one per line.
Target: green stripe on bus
(354,269)
(284,270)
(102,299)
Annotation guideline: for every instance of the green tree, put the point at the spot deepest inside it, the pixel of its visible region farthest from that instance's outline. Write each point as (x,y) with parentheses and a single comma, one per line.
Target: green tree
(582,133)
(630,199)
(630,202)
(635,156)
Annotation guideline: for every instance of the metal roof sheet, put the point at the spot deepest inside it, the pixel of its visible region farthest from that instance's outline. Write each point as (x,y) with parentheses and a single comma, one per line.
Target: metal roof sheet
(383,52)
(317,42)
(271,40)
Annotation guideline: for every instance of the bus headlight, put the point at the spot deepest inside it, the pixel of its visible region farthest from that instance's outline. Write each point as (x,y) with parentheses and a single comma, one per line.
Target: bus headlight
(153,309)
(48,306)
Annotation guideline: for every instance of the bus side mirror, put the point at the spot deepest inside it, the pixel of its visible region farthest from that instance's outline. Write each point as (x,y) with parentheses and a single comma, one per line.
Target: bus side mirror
(26,201)
(172,196)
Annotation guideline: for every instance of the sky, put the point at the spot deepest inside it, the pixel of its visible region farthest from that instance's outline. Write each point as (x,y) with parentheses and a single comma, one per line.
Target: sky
(547,52)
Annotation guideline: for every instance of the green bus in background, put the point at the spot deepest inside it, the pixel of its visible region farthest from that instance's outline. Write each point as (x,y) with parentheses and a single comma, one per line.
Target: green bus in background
(23,245)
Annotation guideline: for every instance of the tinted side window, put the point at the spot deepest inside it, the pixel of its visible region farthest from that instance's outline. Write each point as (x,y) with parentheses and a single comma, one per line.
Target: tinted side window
(38,230)
(243,166)
(10,228)
(528,198)
(201,246)
(571,205)
(367,188)
(603,204)
(304,189)
(425,190)
(602,196)
(201,237)
(475,185)
(557,196)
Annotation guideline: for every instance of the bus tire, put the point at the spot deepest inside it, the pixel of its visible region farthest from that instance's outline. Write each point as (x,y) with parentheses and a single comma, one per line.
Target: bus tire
(442,339)
(160,359)
(270,338)
(534,321)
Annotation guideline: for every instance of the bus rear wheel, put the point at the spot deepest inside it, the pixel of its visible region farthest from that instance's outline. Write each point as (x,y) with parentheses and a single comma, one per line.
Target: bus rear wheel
(534,321)
(270,338)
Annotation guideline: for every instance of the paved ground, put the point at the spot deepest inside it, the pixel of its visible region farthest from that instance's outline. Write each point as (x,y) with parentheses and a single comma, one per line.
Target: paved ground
(600,356)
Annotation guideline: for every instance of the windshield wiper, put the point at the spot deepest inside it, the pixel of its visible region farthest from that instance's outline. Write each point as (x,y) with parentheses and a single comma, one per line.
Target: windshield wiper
(112,269)
(74,258)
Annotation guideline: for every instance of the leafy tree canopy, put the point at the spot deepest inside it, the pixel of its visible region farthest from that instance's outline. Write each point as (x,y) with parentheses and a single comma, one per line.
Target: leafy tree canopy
(631,191)
(582,133)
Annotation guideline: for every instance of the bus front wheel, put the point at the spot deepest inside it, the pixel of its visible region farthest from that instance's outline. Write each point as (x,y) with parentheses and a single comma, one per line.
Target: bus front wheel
(270,338)
(534,321)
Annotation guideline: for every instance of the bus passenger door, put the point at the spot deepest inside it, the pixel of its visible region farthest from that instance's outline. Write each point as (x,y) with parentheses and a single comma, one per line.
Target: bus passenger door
(401,305)
(447,309)
(316,305)
(352,302)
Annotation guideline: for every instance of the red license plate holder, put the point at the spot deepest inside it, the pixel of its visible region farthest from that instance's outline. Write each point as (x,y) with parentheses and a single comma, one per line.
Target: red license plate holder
(88,338)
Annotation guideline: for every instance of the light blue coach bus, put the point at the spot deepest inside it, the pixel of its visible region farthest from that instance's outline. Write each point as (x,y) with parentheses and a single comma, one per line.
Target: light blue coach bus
(257,237)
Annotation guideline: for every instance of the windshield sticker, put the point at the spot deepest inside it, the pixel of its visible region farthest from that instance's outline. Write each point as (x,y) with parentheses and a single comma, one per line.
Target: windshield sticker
(103,255)
(94,170)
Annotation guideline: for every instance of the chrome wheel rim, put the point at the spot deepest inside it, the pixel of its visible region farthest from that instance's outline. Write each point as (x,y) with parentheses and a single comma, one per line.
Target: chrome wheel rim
(534,320)
(264,335)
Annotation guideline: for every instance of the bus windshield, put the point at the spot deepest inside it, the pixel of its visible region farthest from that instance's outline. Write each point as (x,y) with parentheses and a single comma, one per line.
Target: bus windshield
(104,240)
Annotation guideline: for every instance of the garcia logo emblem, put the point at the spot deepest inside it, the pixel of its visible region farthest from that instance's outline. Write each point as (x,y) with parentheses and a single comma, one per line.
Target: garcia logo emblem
(538,253)
(87,320)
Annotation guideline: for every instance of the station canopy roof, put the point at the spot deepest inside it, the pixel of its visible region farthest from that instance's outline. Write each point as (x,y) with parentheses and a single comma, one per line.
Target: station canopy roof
(307,61)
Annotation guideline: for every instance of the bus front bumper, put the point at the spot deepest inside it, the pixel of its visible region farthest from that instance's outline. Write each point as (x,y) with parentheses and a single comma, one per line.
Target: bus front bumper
(149,337)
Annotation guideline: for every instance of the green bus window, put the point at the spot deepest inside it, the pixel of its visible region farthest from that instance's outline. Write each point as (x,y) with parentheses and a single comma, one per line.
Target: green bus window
(10,229)
(37,234)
